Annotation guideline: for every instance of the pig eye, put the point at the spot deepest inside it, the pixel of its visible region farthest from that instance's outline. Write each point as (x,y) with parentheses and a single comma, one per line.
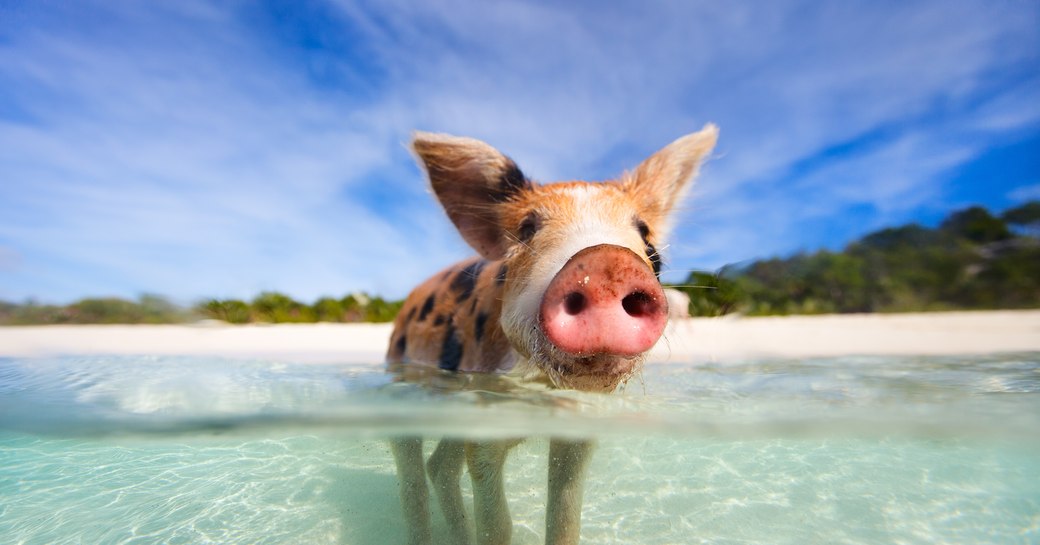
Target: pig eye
(528,228)
(651,252)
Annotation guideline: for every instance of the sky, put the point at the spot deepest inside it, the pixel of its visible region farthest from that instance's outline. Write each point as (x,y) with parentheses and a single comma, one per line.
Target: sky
(219,149)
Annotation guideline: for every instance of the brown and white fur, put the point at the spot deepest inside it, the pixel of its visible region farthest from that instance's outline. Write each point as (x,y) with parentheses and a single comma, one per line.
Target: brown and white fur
(564,292)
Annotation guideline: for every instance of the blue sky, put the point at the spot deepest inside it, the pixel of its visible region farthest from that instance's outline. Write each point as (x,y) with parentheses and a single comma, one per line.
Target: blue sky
(197,149)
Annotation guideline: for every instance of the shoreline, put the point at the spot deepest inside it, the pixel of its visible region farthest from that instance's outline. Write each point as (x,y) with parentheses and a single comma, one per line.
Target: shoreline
(688,340)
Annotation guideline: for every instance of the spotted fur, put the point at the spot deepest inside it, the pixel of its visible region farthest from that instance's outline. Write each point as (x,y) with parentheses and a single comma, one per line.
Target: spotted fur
(457,325)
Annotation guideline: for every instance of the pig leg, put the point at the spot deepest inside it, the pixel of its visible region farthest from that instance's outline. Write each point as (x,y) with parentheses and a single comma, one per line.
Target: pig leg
(412,487)
(445,469)
(485,460)
(568,461)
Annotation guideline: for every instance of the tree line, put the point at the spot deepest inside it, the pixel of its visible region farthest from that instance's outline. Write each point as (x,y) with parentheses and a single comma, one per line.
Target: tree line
(972,260)
(268,307)
(274,307)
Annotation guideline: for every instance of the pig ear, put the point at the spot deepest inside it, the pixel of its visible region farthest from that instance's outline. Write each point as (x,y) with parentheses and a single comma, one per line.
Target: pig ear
(662,180)
(470,178)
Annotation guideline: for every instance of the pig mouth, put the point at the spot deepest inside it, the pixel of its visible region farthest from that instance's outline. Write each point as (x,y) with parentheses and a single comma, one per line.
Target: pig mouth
(604,364)
(593,372)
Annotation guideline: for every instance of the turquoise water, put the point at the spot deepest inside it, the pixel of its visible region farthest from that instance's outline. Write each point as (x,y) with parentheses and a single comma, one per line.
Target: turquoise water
(837,450)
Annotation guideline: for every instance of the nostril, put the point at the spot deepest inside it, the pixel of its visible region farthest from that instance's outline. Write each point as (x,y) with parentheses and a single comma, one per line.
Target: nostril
(638,304)
(574,303)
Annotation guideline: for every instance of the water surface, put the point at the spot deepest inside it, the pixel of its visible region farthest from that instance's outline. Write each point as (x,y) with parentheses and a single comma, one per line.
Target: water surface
(835,450)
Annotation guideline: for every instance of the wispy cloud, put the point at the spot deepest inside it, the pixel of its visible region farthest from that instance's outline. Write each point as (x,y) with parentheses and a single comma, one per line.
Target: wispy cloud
(201,149)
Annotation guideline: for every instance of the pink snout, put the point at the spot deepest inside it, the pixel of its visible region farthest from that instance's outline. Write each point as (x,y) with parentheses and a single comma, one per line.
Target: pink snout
(605,300)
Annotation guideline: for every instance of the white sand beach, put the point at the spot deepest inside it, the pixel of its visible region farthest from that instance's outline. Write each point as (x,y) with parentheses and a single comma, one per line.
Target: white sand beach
(689,340)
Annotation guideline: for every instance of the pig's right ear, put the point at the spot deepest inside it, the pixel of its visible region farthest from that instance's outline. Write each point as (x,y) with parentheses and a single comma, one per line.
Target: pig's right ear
(470,178)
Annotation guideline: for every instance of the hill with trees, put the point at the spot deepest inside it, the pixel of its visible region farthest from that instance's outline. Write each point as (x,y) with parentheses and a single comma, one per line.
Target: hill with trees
(972,261)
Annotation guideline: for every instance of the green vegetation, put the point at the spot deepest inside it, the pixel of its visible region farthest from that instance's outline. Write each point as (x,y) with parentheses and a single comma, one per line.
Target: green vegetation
(148,309)
(273,307)
(268,307)
(973,260)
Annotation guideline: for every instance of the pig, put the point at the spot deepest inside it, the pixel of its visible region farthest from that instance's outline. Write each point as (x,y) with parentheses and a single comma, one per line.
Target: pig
(565,291)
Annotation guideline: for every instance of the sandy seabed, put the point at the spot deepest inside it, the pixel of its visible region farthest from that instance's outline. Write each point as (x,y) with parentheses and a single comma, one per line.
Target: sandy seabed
(689,340)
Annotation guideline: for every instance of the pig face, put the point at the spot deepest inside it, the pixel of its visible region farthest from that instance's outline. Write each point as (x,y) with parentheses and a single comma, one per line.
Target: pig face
(581,301)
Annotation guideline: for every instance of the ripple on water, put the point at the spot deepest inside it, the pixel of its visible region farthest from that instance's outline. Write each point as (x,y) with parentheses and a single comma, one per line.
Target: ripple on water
(837,450)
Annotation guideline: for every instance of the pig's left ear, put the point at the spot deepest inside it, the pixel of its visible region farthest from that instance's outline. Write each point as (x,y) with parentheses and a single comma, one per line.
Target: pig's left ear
(662,180)
(470,178)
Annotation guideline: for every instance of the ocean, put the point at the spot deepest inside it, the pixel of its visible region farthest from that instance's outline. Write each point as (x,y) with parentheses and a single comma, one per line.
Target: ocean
(823,450)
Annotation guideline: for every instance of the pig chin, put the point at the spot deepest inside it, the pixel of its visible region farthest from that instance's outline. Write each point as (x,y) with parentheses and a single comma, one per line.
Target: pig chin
(600,373)
(590,373)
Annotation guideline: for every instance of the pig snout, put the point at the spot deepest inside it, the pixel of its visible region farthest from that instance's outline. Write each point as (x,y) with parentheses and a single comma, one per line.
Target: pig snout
(605,300)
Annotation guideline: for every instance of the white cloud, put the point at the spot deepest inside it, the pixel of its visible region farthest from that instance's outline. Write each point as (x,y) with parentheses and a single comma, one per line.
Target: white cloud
(1026,193)
(178,149)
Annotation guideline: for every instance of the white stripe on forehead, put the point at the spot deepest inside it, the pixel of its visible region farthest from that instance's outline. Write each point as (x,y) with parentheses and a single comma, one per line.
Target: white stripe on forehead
(594,222)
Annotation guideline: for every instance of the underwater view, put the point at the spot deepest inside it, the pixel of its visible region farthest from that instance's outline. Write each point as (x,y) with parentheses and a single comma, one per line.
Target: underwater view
(824,450)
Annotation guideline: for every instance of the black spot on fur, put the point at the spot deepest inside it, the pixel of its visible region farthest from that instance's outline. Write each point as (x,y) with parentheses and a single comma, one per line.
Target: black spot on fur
(512,180)
(466,280)
(451,351)
(401,345)
(426,308)
(440,319)
(644,229)
(411,314)
(478,328)
(500,278)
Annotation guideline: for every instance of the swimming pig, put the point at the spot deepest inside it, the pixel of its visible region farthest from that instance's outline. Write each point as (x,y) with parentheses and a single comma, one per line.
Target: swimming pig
(565,290)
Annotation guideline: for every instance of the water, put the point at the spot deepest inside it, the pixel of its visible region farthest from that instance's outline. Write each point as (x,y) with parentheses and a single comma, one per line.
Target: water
(839,450)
